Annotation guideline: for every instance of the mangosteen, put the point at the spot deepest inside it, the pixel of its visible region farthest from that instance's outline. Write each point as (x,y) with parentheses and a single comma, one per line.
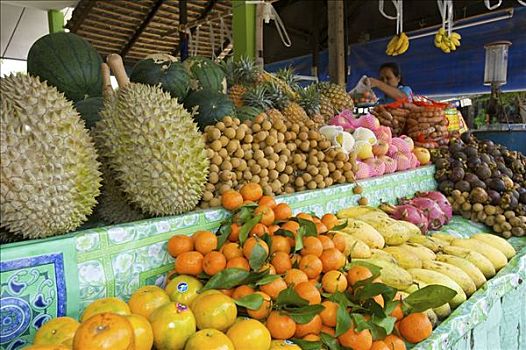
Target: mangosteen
(494,197)
(442,163)
(478,183)
(470,177)
(508,183)
(497,184)
(456,147)
(456,163)
(460,156)
(513,202)
(463,186)
(471,151)
(483,172)
(456,174)
(485,158)
(478,195)
(496,173)
(522,194)
(473,162)
(446,187)
(468,137)
(441,175)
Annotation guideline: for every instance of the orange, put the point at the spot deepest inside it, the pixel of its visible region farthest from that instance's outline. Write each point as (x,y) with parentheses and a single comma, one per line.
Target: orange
(264,310)
(329,220)
(269,267)
(379,299)
(328,330)
(231,200)
(274,288)
(227,292)
(415,327)
(309,292)
(398,313)
(209,339)
(204,241)
(295,277)
(250,243)
(334,281)
(358,273)
(249,335)
(311,265)
(279,244)
(394,343)
(283,345)
(267,215)
(328,315)
(259,230)
(110,304)
(339,242)
(167,318)
(332,259)
(213,263)
(183,289)
(57,331)
(305,216)
(142,330)
(242,291)
(326,242)
(356,340)
(231,250)
(179,244)
(311,337)
(282,211)
(48,347)
(267,201)
(311,245)
(105,331)
(251,192)
(311,327)
(272,229)
(234,233)
(295,258)
(238,263)
(321,228)
(214,310)
(189,263)
(280,325)
(291,226)
(379,345)
(281,262)
(146,299)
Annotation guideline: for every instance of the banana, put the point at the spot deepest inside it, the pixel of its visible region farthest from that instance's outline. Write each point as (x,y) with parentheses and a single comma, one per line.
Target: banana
(469,268)
(411,228)
(392,274)
(393,232)
(444,236)
(365,232)
(400,42)
(380,254)
(433,277)
(456,36)
(405,44)
(480,261)
(452,46)
(422,252)
(354,247)
(372,216)
(455,41)
(391,45)
(453,272)
(355,212)
(405,258)
(496,242)
(497,258)
(442,31)
(431,243)
(438,38)
(445,47)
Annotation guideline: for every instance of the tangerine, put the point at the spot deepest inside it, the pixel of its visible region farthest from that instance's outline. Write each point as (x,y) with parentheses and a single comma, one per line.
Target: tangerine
(204,241)
(280,325)
(326,242)
(214,310)
(110,304)
(231,200)
(309,292)
(231,250)
(251,192)
(356,340)
(234,232)
(274,288)
(328,315)
(238,263)
(249,335)
(251,243)
(213,263)
(328,330)
(142,330)
(415,327)
(57,331)
(394,343)
(279,244)
(283,345)
(209,339)
(281,262)
(146,299)
(332,259)
(358,273)
(272,229)
(321,228)
(312,245)
(282,212)
(334,281)
(311,337)
(398,313)
(264,310)
(267,215)
(291,226)
(379,345)
(329,220)
(311,265)
(189,263)
(167,318)
(179,244)
(311,327)
(295,277)
(259,230)
(305,216)
(105,331)
(267,201)
(183,289)
(242,291)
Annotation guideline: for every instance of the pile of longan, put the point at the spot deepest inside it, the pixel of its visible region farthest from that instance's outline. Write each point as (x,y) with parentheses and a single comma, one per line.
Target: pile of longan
(281,156)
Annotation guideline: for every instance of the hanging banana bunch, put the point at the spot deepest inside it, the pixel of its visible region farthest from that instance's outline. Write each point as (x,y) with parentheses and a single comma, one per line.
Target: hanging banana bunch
(446,40)
(400,42)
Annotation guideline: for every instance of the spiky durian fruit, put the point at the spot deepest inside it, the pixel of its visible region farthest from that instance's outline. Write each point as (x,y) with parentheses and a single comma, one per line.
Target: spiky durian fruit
(339,98)
(154,149)
(49,168)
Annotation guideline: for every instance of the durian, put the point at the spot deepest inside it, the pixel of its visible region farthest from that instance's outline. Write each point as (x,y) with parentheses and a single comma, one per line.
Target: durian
(49,168)
(152,146)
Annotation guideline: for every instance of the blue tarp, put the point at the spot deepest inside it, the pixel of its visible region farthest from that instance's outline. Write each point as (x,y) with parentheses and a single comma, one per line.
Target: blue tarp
(427,69)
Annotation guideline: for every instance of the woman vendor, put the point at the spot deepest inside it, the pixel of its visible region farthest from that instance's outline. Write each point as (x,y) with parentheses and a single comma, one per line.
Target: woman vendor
(390,83)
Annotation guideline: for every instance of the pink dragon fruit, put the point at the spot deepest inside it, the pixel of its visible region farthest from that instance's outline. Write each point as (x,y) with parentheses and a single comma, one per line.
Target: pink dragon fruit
(390,164)
(384,133)
(409,213)
(392,150)
(376,167)
(401,144)
(414,163)
(363,170)
(441,200)
(435,216)
(368,121)
(402,161)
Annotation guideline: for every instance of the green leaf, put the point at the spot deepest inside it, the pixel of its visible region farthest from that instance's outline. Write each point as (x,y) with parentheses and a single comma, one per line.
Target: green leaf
(329,341)
(257,257)
(224,232)
(307,345)
(304,314)
(343,320)
(246,212)
(376,331)
(371,290)
(289,297)
(299,239)
(340,226)
(359,321)
(247,226)
(387,323)
(390,306)
(309,227)
(267,239)
(373,268)
(340,298)
(429,297)
(226,279)
(251,301)
(267,279)
(255,276)
(286,233)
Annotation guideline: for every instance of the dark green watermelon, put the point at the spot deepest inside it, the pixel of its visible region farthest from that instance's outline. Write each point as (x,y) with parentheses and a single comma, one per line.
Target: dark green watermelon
(205,73)
(67,62)
(213,106)
(89,110)
(172,76)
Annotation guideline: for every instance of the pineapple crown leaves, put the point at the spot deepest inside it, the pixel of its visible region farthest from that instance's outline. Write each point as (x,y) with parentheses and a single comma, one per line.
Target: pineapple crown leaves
(289,77)
(309,98)
(245,71)
(228,67)
(278,96)
(258,96)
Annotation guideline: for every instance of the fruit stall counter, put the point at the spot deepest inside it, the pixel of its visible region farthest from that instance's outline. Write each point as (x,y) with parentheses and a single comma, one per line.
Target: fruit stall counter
(61,276)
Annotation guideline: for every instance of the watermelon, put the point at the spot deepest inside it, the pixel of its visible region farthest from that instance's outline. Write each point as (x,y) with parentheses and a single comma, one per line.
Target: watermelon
(89,110)
(206,74)
(67,62)
(212,106)
(164,70)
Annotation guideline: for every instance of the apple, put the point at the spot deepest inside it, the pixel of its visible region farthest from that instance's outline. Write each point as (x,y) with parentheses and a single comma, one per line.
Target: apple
(409,141)
(380,148)
(422,154)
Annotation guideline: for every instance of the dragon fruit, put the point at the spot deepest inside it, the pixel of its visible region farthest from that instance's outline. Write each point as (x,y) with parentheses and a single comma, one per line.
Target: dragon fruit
(401,144)
(363,134)
(441,200)
(402,161)
(376,167)
(384,133)
(390,164)
(409,213)
(435,216)
(368,121)
(392,150)
(413,160)
(363,170)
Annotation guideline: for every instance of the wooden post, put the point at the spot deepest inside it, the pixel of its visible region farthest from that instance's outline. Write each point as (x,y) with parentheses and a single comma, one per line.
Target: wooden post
(259,35)
(55,20)
(244,29)
(183,37)
(336,42)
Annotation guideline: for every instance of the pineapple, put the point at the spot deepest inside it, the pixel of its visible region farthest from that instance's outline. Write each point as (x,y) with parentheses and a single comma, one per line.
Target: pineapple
(339,98)
(309,100)
(241,75)
(326,108)
(259,97)
(291,110)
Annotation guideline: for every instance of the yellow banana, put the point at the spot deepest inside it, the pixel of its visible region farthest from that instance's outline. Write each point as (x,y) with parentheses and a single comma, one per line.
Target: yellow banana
(380,254)
(404,47)
(392,274)
(444,236)
(496,242)
(419,250)
(469,268)
(391,45)
(480,261)
(411,228)
(497,258)
(455,42)
(400,42)
(438,38)
(452,46)
(442,31)
(405,258)
(453,272)
(365,232)
(433,277)
(429,242)
(393,232)
(354,247)
(355,212)
(456,36)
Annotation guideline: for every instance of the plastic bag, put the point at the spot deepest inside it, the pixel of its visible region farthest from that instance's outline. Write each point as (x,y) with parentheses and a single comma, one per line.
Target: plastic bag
(362,93)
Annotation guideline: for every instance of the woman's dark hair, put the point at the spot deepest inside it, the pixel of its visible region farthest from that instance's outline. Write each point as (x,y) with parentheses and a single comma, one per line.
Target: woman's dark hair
(395,68)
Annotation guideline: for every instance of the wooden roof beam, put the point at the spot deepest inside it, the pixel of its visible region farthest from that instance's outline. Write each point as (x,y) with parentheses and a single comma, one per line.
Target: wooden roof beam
(86,8)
